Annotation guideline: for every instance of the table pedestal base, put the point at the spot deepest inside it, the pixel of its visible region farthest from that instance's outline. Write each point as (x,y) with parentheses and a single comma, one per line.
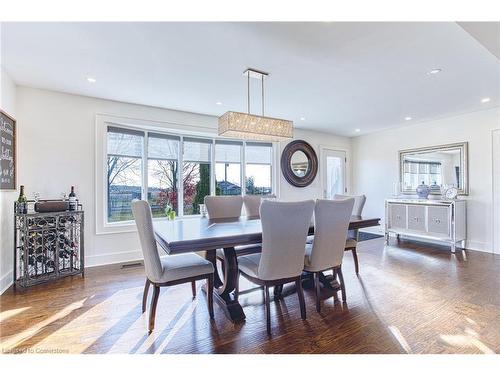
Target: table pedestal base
(224,291)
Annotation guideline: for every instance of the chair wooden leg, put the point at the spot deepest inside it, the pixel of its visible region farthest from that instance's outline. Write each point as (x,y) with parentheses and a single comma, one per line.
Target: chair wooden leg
(268,309)
(152,312)
(342,284)
(355,257)
(193,288)
(145,295)
(317,290)
(300,294)
(210,295)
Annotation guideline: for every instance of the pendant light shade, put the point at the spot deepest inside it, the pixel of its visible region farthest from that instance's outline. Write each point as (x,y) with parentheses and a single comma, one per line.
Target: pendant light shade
(249,126)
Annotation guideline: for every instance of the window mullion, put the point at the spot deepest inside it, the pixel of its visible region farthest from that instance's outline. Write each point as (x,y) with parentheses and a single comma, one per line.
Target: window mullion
(212,168)
(144,189)
(180,182)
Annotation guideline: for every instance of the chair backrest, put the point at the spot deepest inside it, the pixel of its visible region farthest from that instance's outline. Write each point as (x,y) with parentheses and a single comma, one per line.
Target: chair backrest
(222,207)
(284,230)
(144,222)
(357,210)
(359,202)
(330,233)
(252,203)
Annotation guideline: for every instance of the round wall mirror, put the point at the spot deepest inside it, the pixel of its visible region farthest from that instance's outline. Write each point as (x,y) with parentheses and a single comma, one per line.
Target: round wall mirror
(299,163)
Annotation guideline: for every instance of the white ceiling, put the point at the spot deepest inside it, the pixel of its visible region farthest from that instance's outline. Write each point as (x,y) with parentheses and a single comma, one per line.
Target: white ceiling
(339,76)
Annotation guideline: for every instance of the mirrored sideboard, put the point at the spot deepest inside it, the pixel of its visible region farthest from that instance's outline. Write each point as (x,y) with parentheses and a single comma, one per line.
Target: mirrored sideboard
(437,220)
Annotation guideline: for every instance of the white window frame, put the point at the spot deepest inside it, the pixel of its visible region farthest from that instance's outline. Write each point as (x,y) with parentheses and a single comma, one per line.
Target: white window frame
(102,226)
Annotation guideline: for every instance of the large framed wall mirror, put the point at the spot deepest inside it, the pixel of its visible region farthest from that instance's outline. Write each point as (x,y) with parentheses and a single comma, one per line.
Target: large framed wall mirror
(438,167)
(299,163)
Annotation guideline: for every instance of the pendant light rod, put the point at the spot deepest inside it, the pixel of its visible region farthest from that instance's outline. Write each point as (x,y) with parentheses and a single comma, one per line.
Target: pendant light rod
(254,73)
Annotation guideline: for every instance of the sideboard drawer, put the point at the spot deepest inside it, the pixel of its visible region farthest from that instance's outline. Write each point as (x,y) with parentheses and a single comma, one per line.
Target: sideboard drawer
(397,216)
(438,220)
(416,218)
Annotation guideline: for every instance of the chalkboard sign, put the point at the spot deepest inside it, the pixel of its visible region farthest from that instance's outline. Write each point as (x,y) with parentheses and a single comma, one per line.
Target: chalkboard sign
(8,152)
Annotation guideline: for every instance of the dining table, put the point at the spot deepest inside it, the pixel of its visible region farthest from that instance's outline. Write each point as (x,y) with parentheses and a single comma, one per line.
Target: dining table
(201,234)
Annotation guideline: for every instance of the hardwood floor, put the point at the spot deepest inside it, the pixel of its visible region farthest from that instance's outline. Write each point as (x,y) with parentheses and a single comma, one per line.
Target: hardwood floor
(408,298)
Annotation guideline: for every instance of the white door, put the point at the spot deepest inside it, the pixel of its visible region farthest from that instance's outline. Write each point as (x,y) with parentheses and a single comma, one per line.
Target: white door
(496,191)
(333,172)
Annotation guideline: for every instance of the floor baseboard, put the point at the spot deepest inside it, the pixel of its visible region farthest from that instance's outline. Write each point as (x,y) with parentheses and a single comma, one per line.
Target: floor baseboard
(6,282)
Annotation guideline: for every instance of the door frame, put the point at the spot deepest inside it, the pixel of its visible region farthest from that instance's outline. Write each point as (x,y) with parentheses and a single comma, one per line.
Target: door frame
(347,167)
(495,185)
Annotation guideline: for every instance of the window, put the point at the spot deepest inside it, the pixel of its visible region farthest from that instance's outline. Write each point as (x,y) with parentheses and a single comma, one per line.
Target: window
(176,172)
(196,173)
(124,172)
(163,155)
(228,168)
(258,168)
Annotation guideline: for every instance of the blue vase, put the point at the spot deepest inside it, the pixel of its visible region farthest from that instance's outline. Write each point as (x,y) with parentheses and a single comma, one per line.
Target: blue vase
(423,190)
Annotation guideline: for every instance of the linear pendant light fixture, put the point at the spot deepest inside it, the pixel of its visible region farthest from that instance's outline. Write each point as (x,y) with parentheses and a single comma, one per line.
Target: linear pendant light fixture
(249,126)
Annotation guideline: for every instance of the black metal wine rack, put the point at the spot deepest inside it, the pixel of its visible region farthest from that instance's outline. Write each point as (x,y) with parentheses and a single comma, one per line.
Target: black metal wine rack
(47,246)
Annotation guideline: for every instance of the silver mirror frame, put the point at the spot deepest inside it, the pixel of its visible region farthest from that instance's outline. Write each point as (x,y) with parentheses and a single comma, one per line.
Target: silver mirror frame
(464,155)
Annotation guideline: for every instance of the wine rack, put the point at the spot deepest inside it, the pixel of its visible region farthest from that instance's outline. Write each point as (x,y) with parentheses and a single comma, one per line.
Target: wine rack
(47,246)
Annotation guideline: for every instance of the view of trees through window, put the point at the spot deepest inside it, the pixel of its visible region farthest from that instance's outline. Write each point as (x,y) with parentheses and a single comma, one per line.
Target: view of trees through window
(162,186)
(125,171)
(196,178)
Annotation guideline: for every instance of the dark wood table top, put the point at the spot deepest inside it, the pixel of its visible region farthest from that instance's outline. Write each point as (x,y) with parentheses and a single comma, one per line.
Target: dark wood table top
(199,234)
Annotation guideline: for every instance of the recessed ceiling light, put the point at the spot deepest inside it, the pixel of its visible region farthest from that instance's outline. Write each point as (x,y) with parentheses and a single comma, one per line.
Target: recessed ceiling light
(218,103)
(357,130)
(91,80)
(303,118)
(485,100)
(434,71)
(407,118)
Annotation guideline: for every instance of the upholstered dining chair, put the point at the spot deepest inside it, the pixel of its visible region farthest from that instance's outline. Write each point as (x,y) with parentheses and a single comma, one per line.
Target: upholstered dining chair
(352,236)
(327,250)
(252,203)
(223,206)
(284,231)
(167,270)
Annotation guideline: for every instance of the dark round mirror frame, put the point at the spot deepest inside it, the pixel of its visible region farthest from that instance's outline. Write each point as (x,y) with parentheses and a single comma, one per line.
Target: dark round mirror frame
(286,167)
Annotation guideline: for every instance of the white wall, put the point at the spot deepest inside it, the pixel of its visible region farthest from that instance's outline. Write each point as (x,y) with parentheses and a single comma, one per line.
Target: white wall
(375,165)
(8,105)
(56,141)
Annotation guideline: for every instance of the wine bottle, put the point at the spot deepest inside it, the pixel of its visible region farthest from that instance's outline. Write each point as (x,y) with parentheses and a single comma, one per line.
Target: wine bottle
(22,202)
(72,199)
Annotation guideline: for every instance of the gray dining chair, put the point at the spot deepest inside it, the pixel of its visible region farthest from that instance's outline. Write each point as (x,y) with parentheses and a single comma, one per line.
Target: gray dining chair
(228,207)
(327,250)
(167,270)
(352,236)
(284,230)
(223,206)
(252,204)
